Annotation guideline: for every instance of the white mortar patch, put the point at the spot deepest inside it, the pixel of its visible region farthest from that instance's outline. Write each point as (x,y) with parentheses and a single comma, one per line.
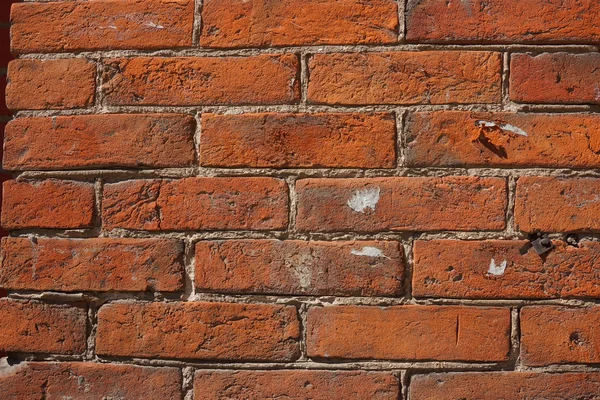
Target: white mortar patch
(363,199)
(497,270)
(505,127)
(369,251)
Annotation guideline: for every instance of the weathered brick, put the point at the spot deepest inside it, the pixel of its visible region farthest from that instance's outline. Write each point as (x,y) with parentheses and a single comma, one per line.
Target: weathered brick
(559,335)
(296,384)
(550,204)
(555,78)
(96,141)
(239,23)
(190,81)
(505,386)
(196,204)
(50,84)
(337,140)
(208,331)
(444,333)
(431,77)
(495,269)
(34,327)
(464,138)
(92,264)
(299,267)
(401,204)
(510,21)
(39,381)
(102,24)
(49,203)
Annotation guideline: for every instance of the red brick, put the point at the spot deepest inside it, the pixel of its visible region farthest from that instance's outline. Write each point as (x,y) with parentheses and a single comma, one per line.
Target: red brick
(208,331)
(559,335)
(50,84)
(68,265)
(50,204)
(477,270)
(190,81)
(103,24)
(461,138)
(555,78)
(336,140)
(97,141)
(509,21)
(443,333)
(300,267)
(239,23)
(505,386)
(430,77)
(196,204)
(549,204)
(37,380)
(34,327)
(401,204)
(296,384)
(5,10)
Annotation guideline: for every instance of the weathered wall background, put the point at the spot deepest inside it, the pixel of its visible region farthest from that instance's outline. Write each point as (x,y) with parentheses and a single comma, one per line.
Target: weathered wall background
(316,199)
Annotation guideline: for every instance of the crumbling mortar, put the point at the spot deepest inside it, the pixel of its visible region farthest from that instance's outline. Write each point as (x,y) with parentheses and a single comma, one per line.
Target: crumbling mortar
(188,382)
(208,52)
(314,108)
(197,28)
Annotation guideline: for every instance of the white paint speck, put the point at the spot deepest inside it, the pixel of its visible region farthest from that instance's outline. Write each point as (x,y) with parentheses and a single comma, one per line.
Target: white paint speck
(153,25)
(368,251)
(505,127)
(363,199)
(497,270)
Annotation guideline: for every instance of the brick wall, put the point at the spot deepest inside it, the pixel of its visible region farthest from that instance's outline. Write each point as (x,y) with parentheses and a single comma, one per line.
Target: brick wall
(303,199)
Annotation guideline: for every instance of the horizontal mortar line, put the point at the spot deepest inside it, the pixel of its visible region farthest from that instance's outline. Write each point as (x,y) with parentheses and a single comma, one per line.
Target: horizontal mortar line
(120,175)
(316,49)
(385,365)
(369,365)
(290,300)
(405,237)
(316,108)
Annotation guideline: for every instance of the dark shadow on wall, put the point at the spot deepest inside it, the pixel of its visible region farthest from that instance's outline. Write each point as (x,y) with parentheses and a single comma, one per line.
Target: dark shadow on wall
(5,57)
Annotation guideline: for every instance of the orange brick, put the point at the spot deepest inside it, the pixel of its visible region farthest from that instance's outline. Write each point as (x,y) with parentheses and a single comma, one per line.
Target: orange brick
(190,81)
(100,141)
(37,380)
(102,24)
(336,140)
(505,385)
(401,204)
(207,331)
(509,21)
(239,23)
(442,333)
(68,265)
(358,268)
(555,78)
(196,204)
(50,84)
(551,204)
(495,269)
(430,77)
(49,204)
(296,384)
(465,138)
(559,335)
(35,327)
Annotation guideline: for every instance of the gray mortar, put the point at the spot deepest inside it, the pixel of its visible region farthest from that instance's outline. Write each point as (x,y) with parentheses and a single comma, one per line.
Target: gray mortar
(403,370)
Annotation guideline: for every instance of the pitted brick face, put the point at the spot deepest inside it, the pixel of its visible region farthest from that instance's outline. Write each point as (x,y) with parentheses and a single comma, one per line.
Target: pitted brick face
(300,199)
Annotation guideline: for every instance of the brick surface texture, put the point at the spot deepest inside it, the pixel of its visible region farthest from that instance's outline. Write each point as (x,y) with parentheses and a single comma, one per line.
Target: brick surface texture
(300,199)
